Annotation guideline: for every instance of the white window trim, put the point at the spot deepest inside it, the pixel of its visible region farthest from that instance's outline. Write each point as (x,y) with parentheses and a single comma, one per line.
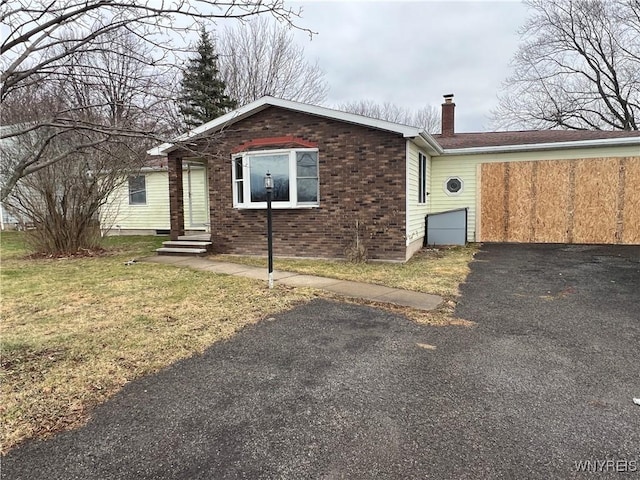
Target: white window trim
(293,181)
(450,193)
(137,204)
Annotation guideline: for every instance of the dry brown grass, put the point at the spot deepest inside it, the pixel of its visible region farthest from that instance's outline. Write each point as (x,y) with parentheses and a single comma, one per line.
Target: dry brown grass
(74,331)
(438,270)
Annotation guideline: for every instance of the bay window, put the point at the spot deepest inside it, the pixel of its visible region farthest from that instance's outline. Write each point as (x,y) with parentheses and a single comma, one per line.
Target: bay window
(294,173)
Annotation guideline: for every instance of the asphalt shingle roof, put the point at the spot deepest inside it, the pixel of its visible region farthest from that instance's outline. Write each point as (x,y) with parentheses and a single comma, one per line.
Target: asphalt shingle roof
(526,137)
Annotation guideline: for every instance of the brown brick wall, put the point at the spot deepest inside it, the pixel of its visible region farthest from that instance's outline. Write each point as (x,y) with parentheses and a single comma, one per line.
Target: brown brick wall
(176,206)
(362,177)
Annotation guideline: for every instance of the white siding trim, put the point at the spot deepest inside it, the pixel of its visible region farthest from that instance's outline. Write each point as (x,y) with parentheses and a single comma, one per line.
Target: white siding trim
(407,188)
(416,211)
(603,142)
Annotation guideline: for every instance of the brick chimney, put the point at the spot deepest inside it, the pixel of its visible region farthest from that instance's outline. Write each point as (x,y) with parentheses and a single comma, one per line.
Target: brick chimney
(448,116)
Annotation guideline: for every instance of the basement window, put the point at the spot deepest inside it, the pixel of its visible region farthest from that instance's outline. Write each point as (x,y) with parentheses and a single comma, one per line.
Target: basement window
(295,178)
(454,186)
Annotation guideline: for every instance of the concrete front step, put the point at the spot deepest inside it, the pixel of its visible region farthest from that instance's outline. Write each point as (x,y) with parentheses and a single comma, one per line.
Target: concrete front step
(186,244)
(182,251)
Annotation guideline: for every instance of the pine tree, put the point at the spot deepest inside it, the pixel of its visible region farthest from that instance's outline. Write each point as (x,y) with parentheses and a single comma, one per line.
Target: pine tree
(203,97)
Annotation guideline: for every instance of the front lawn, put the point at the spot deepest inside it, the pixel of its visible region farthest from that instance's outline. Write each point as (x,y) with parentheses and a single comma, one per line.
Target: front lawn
(75,330)
(433,270)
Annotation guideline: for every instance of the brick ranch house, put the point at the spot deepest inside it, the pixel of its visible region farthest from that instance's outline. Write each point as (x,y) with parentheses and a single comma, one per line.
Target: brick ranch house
(344,181)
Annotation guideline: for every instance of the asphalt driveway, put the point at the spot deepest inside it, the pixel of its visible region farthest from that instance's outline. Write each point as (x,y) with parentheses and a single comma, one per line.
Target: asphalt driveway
(540,387)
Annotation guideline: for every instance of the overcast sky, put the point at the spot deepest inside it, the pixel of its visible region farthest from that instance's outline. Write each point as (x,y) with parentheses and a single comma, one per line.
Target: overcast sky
(411,53)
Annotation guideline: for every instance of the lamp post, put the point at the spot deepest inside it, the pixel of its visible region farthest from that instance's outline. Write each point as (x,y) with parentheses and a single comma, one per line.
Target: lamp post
(268,185)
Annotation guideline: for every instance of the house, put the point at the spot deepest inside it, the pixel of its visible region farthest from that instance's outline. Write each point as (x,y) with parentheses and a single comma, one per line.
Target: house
(11,147)
(140,205)
(9,220)
(346,183)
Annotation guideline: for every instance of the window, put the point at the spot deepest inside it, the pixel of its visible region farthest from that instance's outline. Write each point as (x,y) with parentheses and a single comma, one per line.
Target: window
(295,178)
(454,186)
(137,190)
(422,178)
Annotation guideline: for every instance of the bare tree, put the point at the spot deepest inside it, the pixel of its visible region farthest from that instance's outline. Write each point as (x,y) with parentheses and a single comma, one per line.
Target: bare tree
(426,117)
(260,58)
(577,68)
(46,38)
(61,202)
(80,167)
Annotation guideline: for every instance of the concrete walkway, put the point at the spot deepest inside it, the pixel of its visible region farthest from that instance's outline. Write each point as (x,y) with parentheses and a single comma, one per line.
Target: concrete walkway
(367,291)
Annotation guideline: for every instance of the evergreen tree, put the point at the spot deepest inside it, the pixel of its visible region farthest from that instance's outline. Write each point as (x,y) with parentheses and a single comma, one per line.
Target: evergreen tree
(203,97)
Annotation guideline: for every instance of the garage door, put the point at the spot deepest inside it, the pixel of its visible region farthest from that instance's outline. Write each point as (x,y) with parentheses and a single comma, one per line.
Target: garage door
(563,201)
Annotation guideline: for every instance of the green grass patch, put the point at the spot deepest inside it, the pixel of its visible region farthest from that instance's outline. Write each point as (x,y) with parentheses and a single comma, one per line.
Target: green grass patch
(13,244)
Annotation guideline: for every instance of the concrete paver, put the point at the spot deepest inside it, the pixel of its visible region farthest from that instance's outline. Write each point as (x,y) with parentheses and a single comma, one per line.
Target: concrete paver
(359,289)
(417,300)
(367,291)
(309,281)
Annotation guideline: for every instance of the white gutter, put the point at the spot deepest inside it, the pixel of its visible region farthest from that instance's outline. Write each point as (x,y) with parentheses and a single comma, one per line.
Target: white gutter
(431,143)
(602,142)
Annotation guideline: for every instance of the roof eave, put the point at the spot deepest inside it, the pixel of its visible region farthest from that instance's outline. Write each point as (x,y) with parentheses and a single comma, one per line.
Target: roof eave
(264,102)
(426,141)
(212,126)
(603,142)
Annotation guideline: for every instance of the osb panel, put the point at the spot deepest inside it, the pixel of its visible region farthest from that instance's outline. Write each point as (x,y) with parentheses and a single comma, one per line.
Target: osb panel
(553,202)
(521,200)
(631,209)
(595,201)
(492,211)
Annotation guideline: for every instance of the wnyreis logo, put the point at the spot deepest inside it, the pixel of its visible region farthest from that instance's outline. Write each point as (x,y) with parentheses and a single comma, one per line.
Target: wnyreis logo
(609,465)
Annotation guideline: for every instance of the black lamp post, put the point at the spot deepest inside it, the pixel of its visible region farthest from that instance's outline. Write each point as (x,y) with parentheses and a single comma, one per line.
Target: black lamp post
(268,185)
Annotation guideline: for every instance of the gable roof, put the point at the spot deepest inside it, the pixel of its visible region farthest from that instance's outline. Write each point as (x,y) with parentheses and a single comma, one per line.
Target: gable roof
(457,144)
(420,136)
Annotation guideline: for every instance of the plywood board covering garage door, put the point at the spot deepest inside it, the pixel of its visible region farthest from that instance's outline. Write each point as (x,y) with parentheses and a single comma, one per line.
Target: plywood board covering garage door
(564,201)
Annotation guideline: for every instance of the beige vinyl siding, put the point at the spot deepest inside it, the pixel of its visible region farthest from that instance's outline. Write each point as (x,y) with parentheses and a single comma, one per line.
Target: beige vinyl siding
(415,211)
(466,166)
(154,215)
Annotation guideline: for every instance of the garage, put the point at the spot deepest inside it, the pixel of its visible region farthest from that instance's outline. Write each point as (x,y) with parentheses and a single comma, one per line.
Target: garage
(593,201)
